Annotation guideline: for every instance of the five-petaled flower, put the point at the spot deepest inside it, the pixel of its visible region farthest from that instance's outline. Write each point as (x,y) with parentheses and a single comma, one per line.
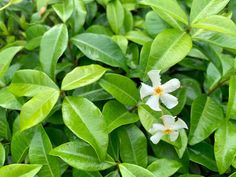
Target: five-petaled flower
(171,127)
(159,92)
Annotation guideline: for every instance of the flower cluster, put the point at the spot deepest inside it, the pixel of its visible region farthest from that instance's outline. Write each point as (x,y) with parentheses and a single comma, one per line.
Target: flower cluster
(161,93)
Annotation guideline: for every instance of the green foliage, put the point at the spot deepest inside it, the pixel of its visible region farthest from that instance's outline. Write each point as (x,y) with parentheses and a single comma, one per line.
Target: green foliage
(77,96)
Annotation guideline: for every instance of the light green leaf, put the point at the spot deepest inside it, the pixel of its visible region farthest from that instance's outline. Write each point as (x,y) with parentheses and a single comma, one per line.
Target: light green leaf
(100,48)
(53,44)
(2,155)
(225,146)
(231,106)
(138,37)
(80,173)
(115,15)
(133,145)
(170,7)
(164,167)
(8,100)
(86,122)
(120,87)
(19,170)
(204,8)
(5,131)
(166,53)
(131,170)
(6,57)
(217,23)
(82,76)
(116,115)
(64,9)
(82,156)
(40,146)
(206,116)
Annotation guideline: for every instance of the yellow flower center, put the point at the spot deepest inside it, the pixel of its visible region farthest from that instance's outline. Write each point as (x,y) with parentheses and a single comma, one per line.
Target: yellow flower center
(168,131)
(158,91)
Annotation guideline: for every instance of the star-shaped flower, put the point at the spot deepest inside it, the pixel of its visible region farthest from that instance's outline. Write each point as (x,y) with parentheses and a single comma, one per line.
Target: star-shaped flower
(170,127)
(159,91)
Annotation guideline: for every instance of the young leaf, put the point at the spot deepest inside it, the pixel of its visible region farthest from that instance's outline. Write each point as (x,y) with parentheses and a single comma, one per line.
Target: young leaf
(64,9)
(86,122)
(2,155)
(116,115)
(204,8)
(225,146)
(19,170)
(8,100)
(231,106)
(120,87)
(82,156)
(206,116)
(100,48)
(40,146)
(166,53)
(82,76)
(53,44)
(131,170)
(133,145)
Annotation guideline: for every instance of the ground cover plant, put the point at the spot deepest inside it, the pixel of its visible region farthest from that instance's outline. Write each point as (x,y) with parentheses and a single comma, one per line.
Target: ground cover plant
(117,88)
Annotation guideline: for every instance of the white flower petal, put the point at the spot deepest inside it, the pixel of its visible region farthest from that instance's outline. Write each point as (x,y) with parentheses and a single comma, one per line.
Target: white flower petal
(155,77)
(145,90)
(171,85)
(153,103)
(168,120)
(156,138)
(156,127)
(168,100)
(179,124)
(174,136)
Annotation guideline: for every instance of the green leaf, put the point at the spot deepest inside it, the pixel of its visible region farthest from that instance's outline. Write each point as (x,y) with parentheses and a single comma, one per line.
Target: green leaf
(100,48)
(2,155)
(19,170)
(5,131)
(80,173)
(166,53)
(203,153)
(217,23)
(115,15)
(206,116)
(131,170)
(116,115)
(204,8)
(53,44)
(133,145)
(138,37)
(64,9)
(86,122)
(170,7)
(225,146)
(120,87)
(231,106)
(82,156)
(82,76)
(40,146)
(164,167)
(8,100)
(6,57)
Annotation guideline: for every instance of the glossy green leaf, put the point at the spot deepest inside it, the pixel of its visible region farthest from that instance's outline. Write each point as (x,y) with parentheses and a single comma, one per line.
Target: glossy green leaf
(206,116)
(80,173)
(115,15)
(225,146)
(231,106)
(82,76)
(170,7)
(166,53)
(81,156)
(6,57)
(204,8)
(116,115)
(138,37)
(133,145)
(5,131)
(8,100)
(2,155)
(64,9)
(40,147)
(131,170)
(19,170)
(120,87)
(86,121)
(100,48)
(164,167)
(217,23)
(53,45)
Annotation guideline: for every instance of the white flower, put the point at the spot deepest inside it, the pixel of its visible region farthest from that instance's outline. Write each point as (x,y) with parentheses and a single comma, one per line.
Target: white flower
(159,92)
(170,127)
